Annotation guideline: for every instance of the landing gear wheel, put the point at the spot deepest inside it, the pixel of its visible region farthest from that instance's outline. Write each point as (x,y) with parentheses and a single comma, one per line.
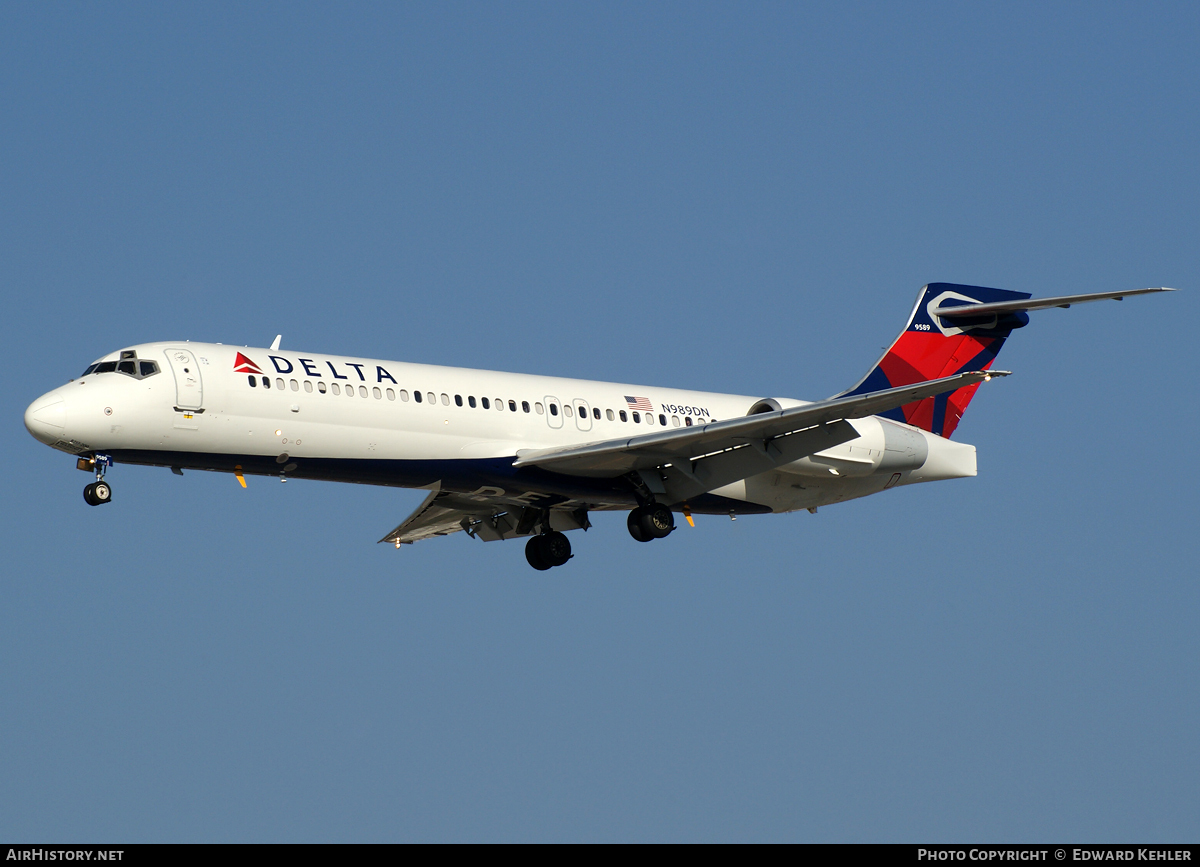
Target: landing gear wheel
(556,548)
(635,526)
(656,521)
(547,551)
(533,553)
(97,494)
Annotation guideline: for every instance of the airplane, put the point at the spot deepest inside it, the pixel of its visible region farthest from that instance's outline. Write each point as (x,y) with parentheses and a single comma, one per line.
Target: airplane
(506,455)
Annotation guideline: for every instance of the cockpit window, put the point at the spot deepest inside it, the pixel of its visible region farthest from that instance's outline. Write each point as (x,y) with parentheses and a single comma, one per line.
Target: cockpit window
(128,365)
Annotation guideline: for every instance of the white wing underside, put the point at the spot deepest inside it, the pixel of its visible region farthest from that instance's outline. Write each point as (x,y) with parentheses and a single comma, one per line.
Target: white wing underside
(487,518)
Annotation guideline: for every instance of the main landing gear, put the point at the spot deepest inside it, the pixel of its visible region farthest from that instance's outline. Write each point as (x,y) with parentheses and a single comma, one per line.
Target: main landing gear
(98,492)
(654,521)
(547,550)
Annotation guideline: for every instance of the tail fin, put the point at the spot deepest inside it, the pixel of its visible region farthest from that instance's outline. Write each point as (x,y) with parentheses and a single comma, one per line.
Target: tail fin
(931,347)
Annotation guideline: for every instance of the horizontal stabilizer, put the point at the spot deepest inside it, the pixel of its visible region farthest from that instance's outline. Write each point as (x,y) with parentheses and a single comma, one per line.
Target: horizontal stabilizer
(1025,305)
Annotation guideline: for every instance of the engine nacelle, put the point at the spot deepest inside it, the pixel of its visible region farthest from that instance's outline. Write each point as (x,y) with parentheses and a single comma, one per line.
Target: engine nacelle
(881,447)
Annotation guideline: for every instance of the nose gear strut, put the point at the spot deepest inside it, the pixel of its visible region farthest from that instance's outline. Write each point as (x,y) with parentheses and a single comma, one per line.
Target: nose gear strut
(98,492)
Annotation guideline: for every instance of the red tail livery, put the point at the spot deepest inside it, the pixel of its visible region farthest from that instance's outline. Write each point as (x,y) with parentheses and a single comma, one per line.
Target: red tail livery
(932,346)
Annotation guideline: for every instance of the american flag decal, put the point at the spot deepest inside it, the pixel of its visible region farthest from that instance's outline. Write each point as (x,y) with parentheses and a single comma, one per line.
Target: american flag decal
(639,403)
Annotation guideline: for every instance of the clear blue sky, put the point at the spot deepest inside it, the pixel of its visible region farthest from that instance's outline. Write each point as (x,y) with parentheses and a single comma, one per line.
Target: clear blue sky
(739,197)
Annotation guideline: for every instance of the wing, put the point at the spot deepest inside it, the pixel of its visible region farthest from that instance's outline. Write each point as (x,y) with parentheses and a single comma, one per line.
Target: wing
(431,518)
(488,518)
(691,461)
(617,457)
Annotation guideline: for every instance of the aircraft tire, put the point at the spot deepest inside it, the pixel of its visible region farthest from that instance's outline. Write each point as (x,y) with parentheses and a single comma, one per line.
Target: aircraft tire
(89,496)
(533,553)
(634,523)
(555,548)
(656,521)
(102,493)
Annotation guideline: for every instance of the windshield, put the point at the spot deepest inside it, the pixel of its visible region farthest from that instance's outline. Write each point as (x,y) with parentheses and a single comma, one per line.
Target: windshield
(128,365)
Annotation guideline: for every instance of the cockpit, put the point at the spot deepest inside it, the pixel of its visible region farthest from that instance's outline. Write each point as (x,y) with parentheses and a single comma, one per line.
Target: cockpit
(129,364)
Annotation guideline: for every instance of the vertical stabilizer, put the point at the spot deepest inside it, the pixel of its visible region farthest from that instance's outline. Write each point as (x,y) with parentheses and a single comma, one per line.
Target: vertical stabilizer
(930,347)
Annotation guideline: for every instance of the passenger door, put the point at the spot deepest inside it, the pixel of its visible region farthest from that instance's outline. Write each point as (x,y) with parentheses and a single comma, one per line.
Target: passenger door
(553,412)
(189,390)
(583,414)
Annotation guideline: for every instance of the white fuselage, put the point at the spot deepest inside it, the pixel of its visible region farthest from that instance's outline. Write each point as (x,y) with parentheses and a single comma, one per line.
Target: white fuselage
(310,415)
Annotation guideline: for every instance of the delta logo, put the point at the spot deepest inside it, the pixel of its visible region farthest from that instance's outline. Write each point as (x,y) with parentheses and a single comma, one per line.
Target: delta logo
(242,364)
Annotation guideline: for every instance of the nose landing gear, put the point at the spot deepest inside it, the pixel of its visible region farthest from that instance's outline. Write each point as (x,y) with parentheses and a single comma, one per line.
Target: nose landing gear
(98,492)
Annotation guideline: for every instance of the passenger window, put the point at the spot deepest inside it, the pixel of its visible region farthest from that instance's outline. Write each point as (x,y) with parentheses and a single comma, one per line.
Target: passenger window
(596,413)
(391,394)
(458,399)
(308,386)
(675,420)
(471,401)
(295,385)
(404,395)
(378,394)
(335,388)
(485,403)
(512,406)
(266,382)
(662,419)
(279,383)
(362,391)
(148,368)
(637,419)
(687,420)
(582,412)
(567,410)
(445,399)
(623,416)
(649,418)
(321,387)
(253,382)
(349,391)
(553,409)
(609,414)
(537,406)
(129,367)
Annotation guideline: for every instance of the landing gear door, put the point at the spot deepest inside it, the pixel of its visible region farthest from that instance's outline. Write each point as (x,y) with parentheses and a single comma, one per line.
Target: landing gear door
(553,412)
(189,392)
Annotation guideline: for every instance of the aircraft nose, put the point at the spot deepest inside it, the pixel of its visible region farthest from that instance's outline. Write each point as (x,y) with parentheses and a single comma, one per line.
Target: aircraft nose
(46,418)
